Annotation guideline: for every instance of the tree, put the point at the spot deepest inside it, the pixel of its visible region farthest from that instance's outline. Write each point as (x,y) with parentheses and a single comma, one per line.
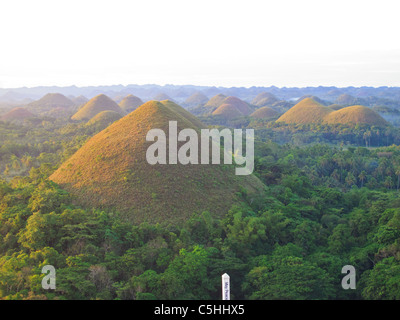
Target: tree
(383,281)
(287,277)
(397,172)
(350,179)
(362,177)
(388,182)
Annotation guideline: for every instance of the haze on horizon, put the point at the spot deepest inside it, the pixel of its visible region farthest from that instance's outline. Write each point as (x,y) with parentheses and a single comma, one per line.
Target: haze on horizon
(221,43)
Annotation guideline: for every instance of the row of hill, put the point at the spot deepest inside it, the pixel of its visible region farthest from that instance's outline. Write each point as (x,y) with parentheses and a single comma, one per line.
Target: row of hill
(310,111)
(306,110)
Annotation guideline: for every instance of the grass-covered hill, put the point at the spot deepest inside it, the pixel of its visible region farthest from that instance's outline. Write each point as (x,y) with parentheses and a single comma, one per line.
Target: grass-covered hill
(50,103)
(264,113)
(227,111)
(264,99)
(309,111)
(306,111)
(242,106)
(196,99)
(17,115)
(130,103)
(215,101)
(111,171)
(355,115)
(232,107)
(162,96)
(52,100)
(96,105)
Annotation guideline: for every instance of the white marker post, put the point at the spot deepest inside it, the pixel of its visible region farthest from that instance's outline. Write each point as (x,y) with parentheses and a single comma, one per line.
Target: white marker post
(226,287)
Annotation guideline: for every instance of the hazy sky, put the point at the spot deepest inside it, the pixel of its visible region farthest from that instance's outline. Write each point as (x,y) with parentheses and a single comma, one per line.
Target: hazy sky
(206,42)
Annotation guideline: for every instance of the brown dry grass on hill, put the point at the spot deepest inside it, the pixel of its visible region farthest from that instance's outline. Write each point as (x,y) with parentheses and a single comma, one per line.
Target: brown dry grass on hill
(242,106)
(355,115)
(96,105)
(196,99)
(310,111)
(306,111)
(215,101)
(233,107)
(17,114)
(264,99)
(227,111)
(111,171)
(53,100)
(265,113)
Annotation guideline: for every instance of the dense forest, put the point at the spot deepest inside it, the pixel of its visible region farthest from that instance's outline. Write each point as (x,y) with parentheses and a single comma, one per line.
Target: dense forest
(331,199)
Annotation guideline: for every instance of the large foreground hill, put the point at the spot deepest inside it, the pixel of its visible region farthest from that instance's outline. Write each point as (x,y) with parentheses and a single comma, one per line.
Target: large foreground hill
(111,171)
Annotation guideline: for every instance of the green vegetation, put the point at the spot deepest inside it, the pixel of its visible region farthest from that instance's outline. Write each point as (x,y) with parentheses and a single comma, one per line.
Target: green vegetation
(331,198)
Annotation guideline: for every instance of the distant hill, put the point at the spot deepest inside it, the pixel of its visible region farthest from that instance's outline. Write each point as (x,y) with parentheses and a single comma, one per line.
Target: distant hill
(15,97)
(196,99)
(306,111)
(162,96)
(264,113)
(17,115)
(96,105)
(355,115)
(111,171)
(80,100)
(130,103)
(346,100)
(264,99)
(308,96)
(52,100)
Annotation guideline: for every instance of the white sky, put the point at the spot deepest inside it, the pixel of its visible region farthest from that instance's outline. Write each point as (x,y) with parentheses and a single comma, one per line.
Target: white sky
(206,42)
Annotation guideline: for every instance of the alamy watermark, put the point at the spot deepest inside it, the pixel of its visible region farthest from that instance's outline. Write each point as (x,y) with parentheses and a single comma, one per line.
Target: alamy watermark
(349,281)
(188,153)
(49,280)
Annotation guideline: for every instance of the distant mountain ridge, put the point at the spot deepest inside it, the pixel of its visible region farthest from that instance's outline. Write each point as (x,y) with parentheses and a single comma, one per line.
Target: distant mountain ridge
(182,92)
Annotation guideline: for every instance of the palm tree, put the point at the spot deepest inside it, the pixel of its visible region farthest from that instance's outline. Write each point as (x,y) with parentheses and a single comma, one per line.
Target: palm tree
(362,176)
